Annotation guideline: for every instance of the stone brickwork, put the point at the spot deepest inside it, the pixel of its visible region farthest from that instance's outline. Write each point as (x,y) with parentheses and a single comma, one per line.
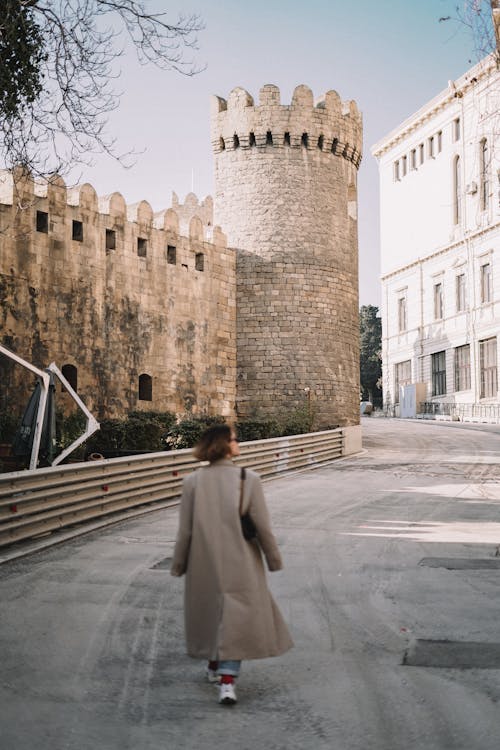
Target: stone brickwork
(118,294)
(286,195)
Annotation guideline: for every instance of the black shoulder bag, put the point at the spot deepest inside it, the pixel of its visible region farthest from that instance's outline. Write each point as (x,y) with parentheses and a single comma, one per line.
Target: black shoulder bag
(248,528)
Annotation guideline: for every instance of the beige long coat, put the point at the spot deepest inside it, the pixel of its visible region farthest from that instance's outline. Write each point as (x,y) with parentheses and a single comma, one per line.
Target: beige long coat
(228,609)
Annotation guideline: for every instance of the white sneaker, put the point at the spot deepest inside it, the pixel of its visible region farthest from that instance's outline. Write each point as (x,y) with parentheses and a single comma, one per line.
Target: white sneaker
(227,694)
(212,676)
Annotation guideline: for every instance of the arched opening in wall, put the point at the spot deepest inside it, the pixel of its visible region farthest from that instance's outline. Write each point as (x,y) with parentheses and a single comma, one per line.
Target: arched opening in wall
(269,138)
(145,387)
(305,140)
(70,372)
(320,142)
(236,141)
(335,144)
(286,139)
(222,145)
(199,262)
(251,139)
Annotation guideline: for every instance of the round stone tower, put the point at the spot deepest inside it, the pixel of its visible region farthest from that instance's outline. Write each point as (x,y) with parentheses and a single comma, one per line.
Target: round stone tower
(286,197)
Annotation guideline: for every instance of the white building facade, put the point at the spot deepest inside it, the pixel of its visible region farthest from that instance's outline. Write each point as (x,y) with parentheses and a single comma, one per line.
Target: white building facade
(440,249)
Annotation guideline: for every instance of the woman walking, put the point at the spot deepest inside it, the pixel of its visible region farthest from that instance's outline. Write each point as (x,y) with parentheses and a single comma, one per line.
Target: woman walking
(229,612)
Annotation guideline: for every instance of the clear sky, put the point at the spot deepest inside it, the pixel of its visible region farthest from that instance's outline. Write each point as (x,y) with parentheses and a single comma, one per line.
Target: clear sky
(391,56)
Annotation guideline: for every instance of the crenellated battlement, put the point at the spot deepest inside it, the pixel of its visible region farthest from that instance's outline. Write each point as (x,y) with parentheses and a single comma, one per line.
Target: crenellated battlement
(192,219)
(328,125)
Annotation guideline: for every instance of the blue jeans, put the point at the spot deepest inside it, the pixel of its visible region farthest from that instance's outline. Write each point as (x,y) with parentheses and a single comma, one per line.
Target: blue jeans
(231,667)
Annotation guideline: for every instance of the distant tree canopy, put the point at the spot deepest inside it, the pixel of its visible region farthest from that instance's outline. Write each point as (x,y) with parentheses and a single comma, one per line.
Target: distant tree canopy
(57,69)
(370,356)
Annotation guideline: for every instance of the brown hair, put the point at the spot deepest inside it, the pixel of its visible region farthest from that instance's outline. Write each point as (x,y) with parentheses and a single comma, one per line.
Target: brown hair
(214,443)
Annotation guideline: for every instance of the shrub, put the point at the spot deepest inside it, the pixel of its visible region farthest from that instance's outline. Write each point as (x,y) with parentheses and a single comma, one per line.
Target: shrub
(188,431)
(258,429)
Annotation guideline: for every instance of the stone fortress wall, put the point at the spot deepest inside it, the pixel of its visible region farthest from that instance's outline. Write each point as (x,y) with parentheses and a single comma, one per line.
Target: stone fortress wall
(145,314)
(286,195)
(159,311)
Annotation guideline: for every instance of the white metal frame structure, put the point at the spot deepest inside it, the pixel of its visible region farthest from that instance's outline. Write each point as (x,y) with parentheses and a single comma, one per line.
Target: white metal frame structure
(92,424)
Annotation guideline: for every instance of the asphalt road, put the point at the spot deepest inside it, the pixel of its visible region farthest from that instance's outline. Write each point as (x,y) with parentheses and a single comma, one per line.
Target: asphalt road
(390,588)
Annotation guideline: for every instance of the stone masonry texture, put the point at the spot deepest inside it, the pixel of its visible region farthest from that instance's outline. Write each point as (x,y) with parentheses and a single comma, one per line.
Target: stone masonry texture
(260,323)
(286,195)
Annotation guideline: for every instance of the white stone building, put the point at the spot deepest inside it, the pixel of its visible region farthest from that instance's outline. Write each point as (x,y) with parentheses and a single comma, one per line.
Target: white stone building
(440,249)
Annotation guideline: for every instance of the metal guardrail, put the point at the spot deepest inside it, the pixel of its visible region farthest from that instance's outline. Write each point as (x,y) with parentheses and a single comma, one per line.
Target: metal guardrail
(46,500)
(461,412)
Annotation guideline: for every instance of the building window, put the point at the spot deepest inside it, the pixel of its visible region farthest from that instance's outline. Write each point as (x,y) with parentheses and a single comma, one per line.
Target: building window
(430,147)
(456,129)
(142,247)
(42,222)
(404,166)
(222,144)
(269,138)
(438,373)
(335,143)
(396,171)
(486,283)
(320,142)
(171,255)
(236,141)
(199,262)
(305,140)
(70,372)
(421,153)
(457,191)
(460,292)
(488,367)
(77,231)
(110,239)
(145,387)
(286,139)
(462,368)
(402,376)
(402,321)
(438,301)
(439,141)
(413,158)
(483,167)
(251,139)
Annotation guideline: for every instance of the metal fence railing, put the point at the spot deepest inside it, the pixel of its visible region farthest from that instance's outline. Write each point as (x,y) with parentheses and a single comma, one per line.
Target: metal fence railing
(34,503)
(462,412)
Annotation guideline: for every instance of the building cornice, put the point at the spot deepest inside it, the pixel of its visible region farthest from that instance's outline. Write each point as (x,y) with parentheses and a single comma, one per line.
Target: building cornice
(455,90)
(441,251)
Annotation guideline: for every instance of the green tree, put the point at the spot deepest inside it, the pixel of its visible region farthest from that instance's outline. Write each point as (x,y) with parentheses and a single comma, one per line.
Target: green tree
(370,357)
(58,66)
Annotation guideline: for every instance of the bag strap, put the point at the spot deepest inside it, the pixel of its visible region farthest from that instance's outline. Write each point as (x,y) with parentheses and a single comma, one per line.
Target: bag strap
(242,482)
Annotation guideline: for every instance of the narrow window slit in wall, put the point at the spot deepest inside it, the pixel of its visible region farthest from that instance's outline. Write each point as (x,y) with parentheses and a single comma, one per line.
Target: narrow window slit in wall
(251,139)
(171,255)
(199,262)
(222,144)
(335,143)
(305,140)
(110,239)
(145,387)
(320,143)
(77,231)
(236,141)
(70,372)
(286,139)
(142,247)
(269,138)
(42,222)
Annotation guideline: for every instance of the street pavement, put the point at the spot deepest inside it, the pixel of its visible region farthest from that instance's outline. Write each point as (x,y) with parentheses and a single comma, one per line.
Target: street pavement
(390,588)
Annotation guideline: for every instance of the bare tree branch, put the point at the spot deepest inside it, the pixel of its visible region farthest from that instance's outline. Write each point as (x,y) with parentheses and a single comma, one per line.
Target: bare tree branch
(58,69)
